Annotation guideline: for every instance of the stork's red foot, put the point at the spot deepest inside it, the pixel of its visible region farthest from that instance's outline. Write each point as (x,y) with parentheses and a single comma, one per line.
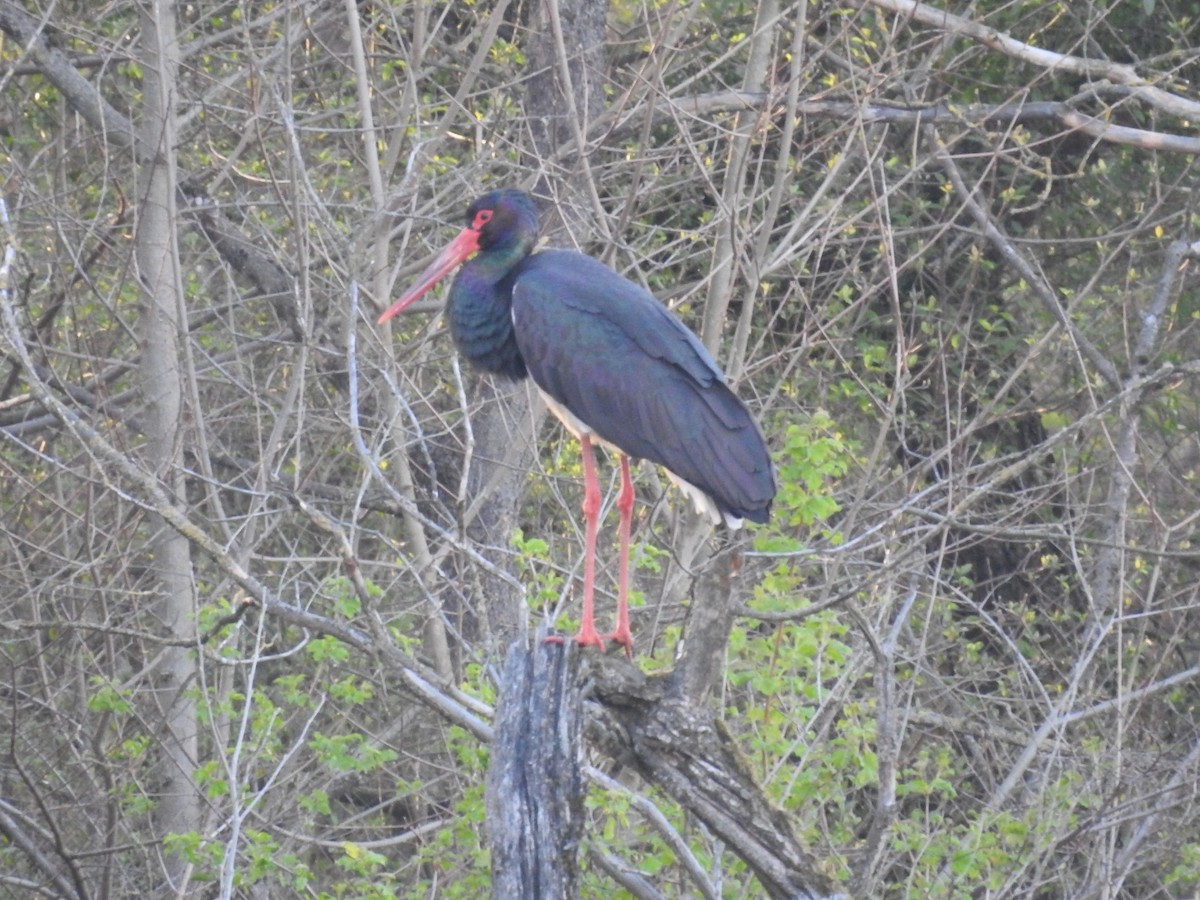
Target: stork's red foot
(585,638)
(622,637)
(589,639)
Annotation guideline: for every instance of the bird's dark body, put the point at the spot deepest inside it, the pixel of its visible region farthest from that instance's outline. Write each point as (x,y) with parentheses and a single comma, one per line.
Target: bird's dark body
(607,351)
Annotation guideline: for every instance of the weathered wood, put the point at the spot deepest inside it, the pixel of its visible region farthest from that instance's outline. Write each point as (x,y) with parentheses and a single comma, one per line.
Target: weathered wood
(700,659)
(535,783)
(687,751)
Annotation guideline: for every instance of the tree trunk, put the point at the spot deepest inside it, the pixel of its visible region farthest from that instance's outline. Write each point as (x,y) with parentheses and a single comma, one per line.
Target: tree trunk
(505,431)
(535,785)
(162,330)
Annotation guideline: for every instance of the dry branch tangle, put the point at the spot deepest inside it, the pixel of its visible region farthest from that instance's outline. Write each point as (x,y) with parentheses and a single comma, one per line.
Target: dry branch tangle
(686,750)
(1116,73)
(976,114)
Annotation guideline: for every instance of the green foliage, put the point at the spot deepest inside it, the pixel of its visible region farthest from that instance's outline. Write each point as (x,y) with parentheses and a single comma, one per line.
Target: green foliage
(262,857)
(813,456)
(346,601)
(533,563)
(779,681)
(349,752)
(328,649)
(780,676)
(205,855)
(457,852)
(316,802)
(107,697)
(362,862)
(1187,873)
(964,856)
(210,778)
(612,820)
(207,618)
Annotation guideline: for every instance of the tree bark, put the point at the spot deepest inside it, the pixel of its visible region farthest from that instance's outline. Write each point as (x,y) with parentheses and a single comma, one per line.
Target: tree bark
(685,749)
(551,695)
(162,327)
(564,95)
(505,430)
(535,785)
(700,657)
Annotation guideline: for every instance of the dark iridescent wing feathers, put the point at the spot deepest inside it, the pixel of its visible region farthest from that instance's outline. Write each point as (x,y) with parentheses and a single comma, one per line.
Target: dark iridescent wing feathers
(625,366)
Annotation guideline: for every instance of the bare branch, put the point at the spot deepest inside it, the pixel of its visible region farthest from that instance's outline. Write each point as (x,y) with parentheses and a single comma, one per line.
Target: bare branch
(690,754)
(13,830)
(1092,69)
(1014,257)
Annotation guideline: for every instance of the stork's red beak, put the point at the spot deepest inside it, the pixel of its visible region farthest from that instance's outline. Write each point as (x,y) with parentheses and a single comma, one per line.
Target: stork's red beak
(448,260)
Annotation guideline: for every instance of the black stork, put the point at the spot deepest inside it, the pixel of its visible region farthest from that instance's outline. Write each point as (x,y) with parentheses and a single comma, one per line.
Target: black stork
(612,363)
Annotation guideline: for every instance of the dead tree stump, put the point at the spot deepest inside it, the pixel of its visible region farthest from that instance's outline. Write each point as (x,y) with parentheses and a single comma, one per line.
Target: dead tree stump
(535,783)
(535,780)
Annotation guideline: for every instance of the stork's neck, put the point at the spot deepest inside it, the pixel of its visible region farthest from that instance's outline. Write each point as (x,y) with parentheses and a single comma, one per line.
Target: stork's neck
(480,311)
(499,258)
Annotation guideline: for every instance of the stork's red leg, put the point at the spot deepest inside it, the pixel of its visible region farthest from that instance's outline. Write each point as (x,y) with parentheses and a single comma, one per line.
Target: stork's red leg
(622,635)
(591,519)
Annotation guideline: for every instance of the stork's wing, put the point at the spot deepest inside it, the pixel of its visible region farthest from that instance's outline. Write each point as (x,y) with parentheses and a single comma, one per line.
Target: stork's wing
(623,365)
